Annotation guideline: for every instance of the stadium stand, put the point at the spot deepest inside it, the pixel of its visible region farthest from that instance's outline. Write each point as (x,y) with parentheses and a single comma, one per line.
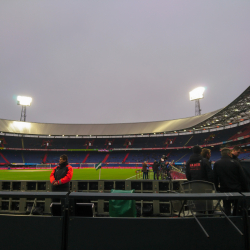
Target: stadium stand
(116,157)
(136,142)
(124,143)
(3,158)
(33,157)
(95,157)
(13,156)
(245,130)
(244,156)
(163,144)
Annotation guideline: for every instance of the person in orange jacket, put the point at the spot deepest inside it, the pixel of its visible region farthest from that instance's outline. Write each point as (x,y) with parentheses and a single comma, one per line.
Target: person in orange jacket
(61,175)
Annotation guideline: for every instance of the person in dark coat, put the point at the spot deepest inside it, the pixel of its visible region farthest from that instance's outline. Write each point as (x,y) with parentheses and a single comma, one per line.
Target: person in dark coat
(235,153)
(144,170)
(229,177)
(156,170)
(169,167)
(197,168)
(206,154)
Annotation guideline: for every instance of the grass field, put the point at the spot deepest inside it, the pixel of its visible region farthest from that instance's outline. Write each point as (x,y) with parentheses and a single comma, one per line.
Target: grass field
(79,174)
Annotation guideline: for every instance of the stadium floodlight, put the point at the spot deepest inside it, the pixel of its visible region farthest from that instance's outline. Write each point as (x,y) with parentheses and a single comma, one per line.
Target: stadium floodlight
(23,101)
(196,95)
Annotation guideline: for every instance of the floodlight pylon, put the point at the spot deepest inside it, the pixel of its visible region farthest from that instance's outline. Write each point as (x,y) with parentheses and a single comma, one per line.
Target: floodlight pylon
(23,101)
(197,107)
(23,114)
(196,95)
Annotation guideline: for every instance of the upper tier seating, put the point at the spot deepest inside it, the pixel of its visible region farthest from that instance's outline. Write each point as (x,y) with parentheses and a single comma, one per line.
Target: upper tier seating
(245,130)
(136,142)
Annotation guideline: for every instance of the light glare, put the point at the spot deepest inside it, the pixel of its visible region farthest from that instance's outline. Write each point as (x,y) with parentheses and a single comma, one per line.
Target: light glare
(196,93)
(24,100)
(21,125)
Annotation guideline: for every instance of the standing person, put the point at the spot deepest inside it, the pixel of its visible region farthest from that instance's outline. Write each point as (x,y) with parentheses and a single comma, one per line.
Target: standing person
(229,177)
(197,168)
(156,170)
(169,166)
(236,152)
(162,166)
(144,170)
(61,175)
(206,154)
(147,170)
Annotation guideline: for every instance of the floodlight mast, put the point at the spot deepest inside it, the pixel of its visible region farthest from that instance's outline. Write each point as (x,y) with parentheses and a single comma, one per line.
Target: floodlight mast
(197,107)
(23,114)
(24,102)
(196,95)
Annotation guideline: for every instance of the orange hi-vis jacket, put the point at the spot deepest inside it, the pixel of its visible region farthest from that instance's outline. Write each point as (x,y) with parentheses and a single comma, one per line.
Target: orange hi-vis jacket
(61,175)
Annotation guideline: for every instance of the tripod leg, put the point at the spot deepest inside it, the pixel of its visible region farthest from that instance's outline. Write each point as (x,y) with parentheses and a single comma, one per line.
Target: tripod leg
(205,232)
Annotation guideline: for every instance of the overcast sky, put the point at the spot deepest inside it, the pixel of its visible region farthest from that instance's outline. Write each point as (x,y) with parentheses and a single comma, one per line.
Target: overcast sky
(114,61)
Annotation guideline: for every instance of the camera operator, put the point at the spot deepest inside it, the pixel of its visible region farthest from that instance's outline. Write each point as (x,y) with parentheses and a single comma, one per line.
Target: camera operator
(162,164)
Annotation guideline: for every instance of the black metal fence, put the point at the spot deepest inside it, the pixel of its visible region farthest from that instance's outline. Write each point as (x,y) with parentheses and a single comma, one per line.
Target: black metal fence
(69,231)
(19,206)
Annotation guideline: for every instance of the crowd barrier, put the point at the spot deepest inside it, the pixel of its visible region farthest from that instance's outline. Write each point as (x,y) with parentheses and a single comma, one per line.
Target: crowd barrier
(69,232)
(157,207)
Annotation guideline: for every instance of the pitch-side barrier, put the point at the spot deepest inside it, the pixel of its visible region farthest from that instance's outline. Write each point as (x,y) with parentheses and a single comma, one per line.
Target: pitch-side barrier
(68,231)
(157,207)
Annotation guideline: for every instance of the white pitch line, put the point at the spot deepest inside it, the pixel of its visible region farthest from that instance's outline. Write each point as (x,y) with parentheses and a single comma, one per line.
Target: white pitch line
(11,171)
(132,177)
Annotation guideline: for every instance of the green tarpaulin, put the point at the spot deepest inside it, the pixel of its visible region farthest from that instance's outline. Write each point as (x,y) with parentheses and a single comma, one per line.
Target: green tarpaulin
(122,208)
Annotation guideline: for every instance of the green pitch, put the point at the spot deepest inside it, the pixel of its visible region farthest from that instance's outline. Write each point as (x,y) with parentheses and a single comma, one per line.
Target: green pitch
(79,174)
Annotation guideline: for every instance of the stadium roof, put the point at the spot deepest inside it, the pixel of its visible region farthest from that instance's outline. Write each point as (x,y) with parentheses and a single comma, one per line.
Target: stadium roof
(236,112)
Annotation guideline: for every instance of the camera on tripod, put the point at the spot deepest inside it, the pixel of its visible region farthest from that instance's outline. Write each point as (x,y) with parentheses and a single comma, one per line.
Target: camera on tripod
(164,158)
